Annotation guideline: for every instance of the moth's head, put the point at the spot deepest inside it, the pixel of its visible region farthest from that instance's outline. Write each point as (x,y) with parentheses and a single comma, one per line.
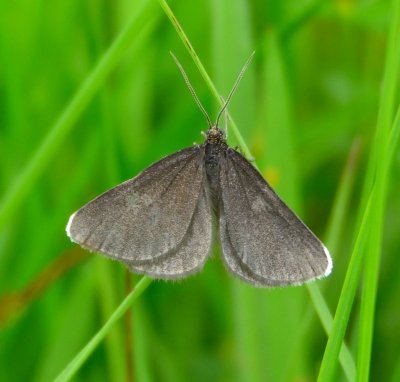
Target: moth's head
(215,135)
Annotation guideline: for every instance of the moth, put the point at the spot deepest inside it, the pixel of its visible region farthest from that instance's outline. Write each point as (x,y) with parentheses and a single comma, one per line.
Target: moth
(160,223)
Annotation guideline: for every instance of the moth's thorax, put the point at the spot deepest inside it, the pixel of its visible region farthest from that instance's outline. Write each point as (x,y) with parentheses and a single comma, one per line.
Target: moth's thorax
(215,148)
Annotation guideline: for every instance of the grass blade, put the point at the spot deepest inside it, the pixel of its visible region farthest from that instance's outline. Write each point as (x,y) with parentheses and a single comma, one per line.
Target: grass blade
(325,316)
(370,285)
(372,221)
(203,73)
(345,303)
(333,236)
(84,354)
(29,175)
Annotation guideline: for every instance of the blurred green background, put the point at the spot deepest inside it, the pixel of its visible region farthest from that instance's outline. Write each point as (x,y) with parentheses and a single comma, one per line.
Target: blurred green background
(307,108)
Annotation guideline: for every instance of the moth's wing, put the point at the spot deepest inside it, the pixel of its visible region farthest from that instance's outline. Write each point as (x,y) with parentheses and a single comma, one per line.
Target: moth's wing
(147,217)
(263,241)
(190,255)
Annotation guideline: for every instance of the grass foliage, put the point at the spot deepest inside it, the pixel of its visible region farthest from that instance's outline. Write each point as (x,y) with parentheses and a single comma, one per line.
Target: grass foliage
(89,96)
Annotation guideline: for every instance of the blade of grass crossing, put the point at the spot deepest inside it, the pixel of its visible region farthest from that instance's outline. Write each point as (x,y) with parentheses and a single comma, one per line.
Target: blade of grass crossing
(230,22)
(325,316)
(354,271)
(337,218)
(204,74)
(345,303)
(333,235)
(394,135)
(84,354)
(369,292)
(70,328)
(19,189)
(108,297)
(142,370)
(373,215)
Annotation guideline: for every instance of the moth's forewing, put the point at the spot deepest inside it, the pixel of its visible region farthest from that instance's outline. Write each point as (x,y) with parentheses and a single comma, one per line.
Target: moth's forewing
(147,217)
(190,255)
(263,241)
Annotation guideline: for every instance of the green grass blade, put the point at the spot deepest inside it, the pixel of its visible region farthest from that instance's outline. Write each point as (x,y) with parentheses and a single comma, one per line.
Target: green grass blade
(394,136)
(114,343)
(336,221)
(345,303)
(19,189)
(204,73)
(68,332)
(370,286)
(325,316)
(372,221)
(352,277)
(84,354)
(231,21)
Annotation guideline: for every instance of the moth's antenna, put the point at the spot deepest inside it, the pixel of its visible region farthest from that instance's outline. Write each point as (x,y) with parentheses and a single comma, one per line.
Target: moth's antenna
(189,85)
(226,118)
(245,66)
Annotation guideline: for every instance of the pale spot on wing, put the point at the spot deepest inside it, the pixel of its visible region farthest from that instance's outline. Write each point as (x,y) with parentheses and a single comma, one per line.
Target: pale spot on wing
(258,205)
